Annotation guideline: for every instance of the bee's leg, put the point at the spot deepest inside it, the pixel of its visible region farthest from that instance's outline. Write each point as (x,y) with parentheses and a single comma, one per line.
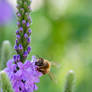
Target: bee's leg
(42,71)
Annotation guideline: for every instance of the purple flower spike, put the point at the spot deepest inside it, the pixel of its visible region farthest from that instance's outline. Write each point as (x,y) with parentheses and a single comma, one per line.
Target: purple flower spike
(18,37)
(25,36)
(20,47)
(29,49)
(28,40)
(23,74)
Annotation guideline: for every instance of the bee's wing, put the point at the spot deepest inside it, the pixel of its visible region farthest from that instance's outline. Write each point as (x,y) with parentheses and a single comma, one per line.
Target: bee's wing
(52,77)
(55,64)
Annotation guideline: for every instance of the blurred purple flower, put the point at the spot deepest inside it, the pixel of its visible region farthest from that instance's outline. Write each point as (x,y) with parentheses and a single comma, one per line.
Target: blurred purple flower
(5,11)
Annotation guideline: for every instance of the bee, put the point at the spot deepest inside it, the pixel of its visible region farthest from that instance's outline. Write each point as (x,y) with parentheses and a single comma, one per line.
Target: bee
(44,66)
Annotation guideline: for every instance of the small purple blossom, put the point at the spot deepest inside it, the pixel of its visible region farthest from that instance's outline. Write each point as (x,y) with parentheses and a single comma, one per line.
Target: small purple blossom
(21,29)
(28,25)
(15,58)
(16,47)
(18,37)
(29,49)
(25,36)
(25,54)
(19,15)
(23,22)
(16,41)
(28,40)
(18,57)
(29,32)
(18,23)
(17,32)
(20,47)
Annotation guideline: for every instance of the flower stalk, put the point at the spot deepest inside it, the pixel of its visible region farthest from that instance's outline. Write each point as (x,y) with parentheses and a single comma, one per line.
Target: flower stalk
(23,33)
(23,73)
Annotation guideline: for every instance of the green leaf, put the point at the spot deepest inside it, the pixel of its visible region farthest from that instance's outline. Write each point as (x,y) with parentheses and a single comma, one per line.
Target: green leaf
(5,54)
(69,85)
(5,84)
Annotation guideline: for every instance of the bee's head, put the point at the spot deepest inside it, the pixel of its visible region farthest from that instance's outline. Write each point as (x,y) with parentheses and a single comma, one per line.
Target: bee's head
(39,62)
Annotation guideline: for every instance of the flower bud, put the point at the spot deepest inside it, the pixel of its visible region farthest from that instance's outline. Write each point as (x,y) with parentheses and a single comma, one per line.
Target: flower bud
(18,57)
(21,29)
(25,36)
(20,47)
(18,37)
(17,32)
(29,49)
(28,40)
(25,54)
(29,32)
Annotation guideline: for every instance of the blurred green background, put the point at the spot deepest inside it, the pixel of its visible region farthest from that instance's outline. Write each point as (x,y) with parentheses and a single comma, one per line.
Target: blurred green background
(61,32)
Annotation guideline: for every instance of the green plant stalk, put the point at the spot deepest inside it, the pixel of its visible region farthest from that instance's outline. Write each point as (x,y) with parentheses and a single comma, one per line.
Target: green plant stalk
(69,85)
(5,54)
(5,85)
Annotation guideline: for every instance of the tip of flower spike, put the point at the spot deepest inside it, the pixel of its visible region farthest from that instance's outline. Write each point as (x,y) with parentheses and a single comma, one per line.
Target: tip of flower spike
(6,42)
(71,72)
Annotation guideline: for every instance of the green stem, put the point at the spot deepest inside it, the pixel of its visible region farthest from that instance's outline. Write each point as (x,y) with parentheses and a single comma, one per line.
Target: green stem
(5,54)
(69,85)
(5,85)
